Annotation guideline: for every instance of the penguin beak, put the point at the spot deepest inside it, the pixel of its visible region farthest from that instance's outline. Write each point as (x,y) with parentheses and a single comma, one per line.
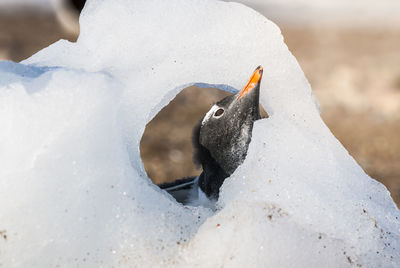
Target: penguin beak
(254,81)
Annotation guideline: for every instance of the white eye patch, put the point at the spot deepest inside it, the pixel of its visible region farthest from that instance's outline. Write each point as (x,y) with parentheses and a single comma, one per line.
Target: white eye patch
(210,114)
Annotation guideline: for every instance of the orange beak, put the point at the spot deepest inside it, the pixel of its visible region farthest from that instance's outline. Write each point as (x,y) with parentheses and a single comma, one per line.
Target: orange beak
(255,79)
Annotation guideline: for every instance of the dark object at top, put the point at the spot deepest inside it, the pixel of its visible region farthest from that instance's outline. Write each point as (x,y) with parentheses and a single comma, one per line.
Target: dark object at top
(77,4)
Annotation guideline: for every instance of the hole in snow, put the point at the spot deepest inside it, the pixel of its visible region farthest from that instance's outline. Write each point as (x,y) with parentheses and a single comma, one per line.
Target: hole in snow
(166,145)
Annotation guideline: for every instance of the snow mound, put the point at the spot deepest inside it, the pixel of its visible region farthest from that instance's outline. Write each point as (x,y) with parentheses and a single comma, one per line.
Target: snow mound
(73,188)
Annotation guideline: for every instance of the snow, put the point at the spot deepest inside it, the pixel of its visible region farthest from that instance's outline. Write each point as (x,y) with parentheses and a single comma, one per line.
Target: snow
(73,190)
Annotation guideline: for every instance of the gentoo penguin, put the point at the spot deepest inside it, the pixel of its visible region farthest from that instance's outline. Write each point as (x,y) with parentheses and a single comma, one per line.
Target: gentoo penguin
(220,141)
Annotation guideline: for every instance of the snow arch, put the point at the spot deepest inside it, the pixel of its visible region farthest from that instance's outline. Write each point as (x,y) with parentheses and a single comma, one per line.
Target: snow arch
(166,145)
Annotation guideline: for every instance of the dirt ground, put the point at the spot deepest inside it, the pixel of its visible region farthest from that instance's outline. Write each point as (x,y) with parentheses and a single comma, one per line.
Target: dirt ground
(355,75)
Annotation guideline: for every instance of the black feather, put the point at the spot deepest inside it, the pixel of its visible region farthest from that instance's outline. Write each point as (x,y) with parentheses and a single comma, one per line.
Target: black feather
(167,185)
(197,147)
(180,189)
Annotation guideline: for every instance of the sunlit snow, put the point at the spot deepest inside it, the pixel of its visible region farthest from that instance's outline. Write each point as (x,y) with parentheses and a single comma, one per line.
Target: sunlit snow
(73,190)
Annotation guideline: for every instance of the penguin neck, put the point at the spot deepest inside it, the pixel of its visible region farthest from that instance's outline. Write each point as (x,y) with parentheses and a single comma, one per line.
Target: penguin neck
(212,177)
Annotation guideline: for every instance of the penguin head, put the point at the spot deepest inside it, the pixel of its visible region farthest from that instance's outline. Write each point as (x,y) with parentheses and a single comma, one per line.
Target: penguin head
(225,131)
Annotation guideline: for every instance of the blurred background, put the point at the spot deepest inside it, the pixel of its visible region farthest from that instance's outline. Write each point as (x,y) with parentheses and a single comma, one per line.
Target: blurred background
(349,51)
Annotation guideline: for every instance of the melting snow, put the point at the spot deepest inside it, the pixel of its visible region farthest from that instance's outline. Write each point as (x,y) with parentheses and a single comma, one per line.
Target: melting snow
(73,190)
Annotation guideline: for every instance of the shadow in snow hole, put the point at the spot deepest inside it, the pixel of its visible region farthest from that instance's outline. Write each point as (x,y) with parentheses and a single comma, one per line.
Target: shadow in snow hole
(166,145)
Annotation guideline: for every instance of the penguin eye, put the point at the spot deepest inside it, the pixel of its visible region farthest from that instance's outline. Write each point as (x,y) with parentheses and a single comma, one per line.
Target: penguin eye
(219,112)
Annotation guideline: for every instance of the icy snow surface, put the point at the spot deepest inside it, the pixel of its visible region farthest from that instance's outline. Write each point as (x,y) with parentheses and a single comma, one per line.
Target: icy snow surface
(73,190)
